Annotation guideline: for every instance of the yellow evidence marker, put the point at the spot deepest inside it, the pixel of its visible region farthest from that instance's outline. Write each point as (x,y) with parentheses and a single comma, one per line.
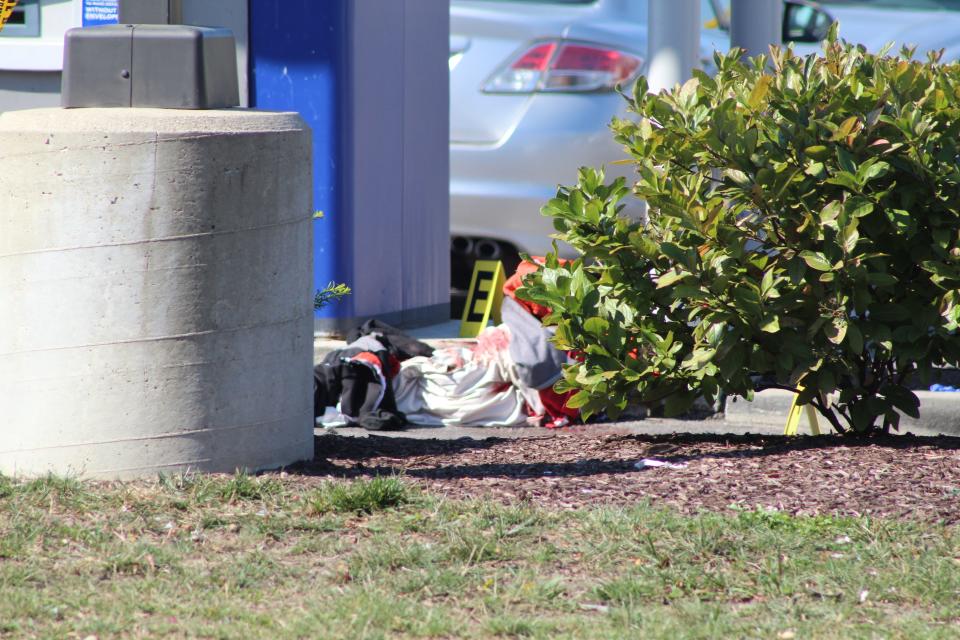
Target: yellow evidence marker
(484,298)
(793,418)
(6,10)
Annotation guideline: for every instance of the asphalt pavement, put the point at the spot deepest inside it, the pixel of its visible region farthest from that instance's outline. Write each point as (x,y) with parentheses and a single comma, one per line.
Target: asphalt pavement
(656,426)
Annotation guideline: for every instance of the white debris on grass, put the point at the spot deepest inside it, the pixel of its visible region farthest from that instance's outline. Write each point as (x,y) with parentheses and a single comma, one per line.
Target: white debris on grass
(649,463)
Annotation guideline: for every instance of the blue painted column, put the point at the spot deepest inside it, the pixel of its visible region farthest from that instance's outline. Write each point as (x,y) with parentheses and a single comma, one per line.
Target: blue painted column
(297,63)
(371,79)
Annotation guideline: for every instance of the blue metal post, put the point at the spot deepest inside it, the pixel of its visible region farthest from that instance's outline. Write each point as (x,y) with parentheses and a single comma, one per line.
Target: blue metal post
(371,78)
(298,63)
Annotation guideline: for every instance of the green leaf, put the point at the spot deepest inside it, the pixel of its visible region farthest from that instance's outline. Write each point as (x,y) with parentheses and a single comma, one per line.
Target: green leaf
(849,236)
(596,326)
(748,297)
(826,381)
(578,400)
(644,245)
(845,129)
(830,212)
(845,179)
(857,207)
(854,338)
(832,32)
(592,211)
(836,330)
(732,362)
(688,92)
(881,279)
(577,202)
(766,283)
(646,129)
(861,416)
(670,278)
(677,403)
(738,177)
(796,269)
(889,313)
(872,171)
(771,325)
(815,260)
(814,169)
(760,90)
(845,160)
(903,399)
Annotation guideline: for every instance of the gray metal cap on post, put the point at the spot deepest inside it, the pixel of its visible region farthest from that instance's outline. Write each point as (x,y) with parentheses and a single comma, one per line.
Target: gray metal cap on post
(150,63)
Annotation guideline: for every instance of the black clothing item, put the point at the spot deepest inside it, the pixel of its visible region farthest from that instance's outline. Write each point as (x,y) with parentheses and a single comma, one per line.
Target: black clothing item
(326,387)
(362,390)
(373,344)
(361,395)
(355,386)
(364,395)
(399,344)
(381,420)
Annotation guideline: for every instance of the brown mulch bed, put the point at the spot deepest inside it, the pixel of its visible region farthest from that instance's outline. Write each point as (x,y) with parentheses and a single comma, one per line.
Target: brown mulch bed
(892,477)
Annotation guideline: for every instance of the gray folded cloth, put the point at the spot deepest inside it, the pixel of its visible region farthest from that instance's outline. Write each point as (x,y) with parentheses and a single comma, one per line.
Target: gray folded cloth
(538,361)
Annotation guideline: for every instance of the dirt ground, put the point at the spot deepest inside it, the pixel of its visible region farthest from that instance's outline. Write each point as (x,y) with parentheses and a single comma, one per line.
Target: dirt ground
(891,477)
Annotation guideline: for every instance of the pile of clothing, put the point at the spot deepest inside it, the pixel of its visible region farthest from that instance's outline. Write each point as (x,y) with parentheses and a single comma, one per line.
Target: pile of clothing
(384,379)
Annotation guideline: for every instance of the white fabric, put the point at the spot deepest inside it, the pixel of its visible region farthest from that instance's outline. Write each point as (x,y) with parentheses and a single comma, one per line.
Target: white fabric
(466,387)
(332,418)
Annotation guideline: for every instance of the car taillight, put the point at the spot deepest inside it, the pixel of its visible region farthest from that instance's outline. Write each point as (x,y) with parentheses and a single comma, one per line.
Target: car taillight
(564,66)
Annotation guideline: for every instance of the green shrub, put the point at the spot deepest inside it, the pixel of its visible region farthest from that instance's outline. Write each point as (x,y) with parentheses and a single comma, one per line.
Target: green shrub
(803,227)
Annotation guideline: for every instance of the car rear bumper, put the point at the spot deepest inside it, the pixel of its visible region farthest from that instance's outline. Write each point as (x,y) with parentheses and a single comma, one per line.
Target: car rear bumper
(496,190)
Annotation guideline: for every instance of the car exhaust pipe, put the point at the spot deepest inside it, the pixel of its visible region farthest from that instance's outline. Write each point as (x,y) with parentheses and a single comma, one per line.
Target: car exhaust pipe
(461,246)
(486,250)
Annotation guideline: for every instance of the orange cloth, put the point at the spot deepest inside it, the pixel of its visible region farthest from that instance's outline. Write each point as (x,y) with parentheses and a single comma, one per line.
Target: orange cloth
(515,281)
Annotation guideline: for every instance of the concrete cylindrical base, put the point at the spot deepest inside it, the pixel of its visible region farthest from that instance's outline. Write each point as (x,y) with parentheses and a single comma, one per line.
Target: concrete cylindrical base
(155,291)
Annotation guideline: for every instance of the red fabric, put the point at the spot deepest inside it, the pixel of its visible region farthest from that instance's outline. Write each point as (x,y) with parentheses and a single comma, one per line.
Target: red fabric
(393,363)
(556,403)
(370,358)
(500,387)
(515,281)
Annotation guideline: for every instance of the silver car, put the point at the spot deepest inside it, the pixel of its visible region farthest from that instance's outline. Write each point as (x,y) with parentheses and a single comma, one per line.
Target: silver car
(926,24)
(531,96)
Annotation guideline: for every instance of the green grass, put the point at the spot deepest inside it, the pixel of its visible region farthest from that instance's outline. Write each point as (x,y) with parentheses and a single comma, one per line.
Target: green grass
(264,557)
(360,496)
